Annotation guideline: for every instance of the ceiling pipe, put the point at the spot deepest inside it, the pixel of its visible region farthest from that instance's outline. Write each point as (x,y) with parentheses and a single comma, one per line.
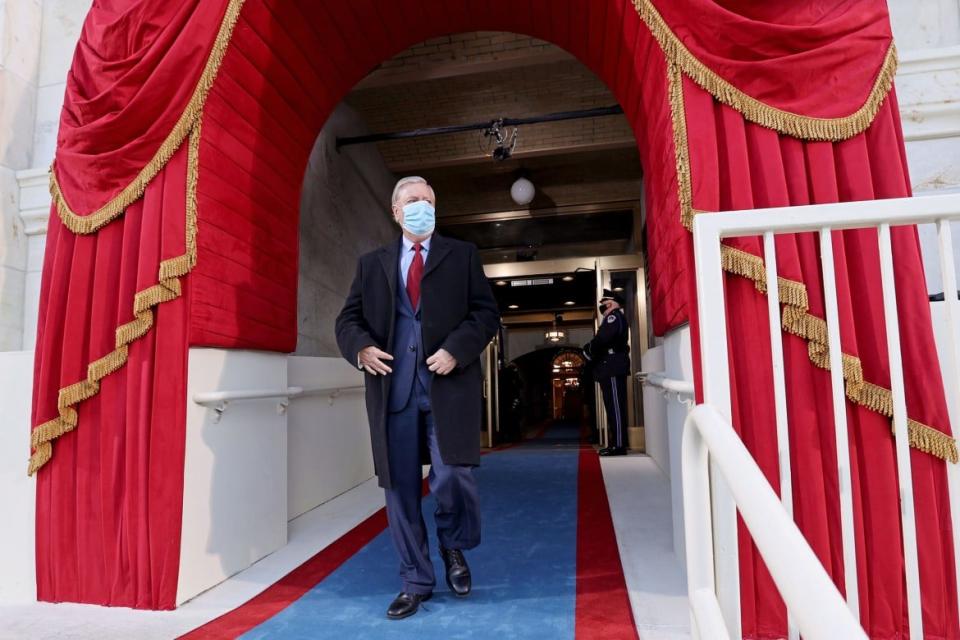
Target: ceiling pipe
(504,122)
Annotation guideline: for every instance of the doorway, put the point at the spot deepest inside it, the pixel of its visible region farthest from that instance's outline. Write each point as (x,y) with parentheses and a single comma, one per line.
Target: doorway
(554,205)
(549,307)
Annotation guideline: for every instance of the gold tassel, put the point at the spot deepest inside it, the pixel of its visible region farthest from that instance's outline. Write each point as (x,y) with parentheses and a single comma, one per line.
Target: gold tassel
(167,288)
(797,321)
(85,224)
(680,148)
(786,122)
(744,264)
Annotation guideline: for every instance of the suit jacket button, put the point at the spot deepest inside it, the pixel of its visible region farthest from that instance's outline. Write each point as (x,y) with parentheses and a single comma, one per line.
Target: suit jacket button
(412,348)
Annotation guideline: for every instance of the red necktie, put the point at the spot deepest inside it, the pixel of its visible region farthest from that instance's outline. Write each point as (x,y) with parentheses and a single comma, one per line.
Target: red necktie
(413,276)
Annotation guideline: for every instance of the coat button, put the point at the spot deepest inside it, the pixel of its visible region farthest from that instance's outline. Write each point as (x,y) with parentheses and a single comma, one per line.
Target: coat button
(412,348)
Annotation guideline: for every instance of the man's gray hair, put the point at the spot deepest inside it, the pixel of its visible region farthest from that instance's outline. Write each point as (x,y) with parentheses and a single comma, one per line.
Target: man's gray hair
(402,182)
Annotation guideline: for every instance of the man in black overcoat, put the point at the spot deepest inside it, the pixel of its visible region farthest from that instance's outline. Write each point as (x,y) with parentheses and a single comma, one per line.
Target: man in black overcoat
(419,313)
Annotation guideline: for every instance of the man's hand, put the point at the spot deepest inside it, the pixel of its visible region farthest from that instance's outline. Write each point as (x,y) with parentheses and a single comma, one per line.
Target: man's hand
(441,362)
(372,359)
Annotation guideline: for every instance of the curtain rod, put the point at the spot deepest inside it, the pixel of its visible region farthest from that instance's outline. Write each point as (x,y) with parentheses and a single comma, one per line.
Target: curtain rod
(506,122)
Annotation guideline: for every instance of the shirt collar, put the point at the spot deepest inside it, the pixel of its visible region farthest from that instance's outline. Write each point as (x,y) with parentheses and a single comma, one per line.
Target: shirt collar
(408,245)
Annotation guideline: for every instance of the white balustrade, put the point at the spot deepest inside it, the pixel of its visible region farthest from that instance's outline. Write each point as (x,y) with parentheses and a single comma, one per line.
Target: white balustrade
(825,220)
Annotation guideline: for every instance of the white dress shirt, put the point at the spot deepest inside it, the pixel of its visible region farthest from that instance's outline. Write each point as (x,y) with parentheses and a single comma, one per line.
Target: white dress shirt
(406,257)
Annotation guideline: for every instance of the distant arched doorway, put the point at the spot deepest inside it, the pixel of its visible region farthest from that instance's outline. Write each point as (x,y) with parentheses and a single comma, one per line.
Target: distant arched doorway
(568,398)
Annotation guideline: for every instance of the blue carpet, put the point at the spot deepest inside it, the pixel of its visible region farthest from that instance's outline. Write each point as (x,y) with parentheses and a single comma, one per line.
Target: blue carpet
(524,571)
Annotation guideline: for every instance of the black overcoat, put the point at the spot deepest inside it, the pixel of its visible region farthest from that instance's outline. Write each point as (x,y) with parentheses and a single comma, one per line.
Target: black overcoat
(459,314)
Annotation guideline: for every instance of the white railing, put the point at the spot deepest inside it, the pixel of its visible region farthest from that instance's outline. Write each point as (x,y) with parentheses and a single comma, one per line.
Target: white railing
(709,442)
(682,389)
(219,401)
(880,214)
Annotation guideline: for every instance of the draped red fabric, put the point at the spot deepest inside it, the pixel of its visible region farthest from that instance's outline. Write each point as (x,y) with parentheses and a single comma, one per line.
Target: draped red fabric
(137,64)
(816,58)
(109,503)
(739,165)
(134,70)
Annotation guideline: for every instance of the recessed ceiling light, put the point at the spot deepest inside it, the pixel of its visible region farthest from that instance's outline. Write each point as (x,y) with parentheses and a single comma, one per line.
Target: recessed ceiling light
(567,278)
(618,289)
(514,306)
(569,303)
(501,283)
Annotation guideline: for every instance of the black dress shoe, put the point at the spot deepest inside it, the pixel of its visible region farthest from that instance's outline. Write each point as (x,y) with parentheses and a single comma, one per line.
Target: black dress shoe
(458,573)
(613,451)
(406,604)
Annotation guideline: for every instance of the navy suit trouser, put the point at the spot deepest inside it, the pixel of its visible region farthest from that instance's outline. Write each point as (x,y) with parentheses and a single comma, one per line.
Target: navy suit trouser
(454,487)
(615,402)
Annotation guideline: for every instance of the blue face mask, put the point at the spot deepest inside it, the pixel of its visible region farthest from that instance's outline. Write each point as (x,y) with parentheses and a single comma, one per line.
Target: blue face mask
(418,218)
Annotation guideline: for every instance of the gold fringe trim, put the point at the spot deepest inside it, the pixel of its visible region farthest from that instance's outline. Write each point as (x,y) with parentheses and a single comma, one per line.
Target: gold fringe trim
(167,288)
(786,122)
(796,320)
(85,224)
(680,148)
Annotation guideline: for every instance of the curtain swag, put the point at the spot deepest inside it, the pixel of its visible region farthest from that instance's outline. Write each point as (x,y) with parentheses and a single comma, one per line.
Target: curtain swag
(91,223)
(168,287)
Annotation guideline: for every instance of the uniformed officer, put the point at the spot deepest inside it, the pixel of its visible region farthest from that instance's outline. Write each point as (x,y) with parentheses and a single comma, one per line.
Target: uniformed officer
(609,353)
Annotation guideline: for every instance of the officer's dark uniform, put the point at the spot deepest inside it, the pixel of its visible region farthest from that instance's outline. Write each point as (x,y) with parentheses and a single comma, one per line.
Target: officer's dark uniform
(609,353)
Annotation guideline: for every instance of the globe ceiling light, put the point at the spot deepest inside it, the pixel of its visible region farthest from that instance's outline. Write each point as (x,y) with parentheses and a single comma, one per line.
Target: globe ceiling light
(522,191)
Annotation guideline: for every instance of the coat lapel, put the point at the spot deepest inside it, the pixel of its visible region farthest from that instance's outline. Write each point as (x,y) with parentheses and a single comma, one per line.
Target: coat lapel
(439,248)
(390,259)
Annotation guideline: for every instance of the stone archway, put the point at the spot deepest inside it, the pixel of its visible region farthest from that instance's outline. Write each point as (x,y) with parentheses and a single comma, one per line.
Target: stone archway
(250,147)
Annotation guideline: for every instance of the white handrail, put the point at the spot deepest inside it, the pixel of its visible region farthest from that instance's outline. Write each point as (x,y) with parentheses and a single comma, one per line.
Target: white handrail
(779,390)
(841,215)
(220,400)
(815,604)
(207,398)
(332,391)
(660,380)
(840,431)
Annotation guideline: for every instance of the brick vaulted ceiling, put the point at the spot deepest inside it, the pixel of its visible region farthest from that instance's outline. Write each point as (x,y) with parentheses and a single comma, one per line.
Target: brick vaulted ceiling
(586,171)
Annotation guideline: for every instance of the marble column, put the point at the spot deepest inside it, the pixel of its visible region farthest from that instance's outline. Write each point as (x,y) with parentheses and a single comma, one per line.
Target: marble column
(20,29)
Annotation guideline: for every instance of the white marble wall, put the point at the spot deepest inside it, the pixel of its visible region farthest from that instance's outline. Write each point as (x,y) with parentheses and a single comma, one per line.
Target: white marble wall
(20,31)
(62,21)
(34,211)
(37,39)
(925,24)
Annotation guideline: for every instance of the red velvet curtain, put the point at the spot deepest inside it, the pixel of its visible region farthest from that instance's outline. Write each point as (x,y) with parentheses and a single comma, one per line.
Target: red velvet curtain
(739,165)
(136,67)
(109,504)
(816,57)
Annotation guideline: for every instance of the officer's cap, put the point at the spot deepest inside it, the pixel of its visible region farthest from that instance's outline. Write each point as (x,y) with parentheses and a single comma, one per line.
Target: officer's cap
(612,295)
